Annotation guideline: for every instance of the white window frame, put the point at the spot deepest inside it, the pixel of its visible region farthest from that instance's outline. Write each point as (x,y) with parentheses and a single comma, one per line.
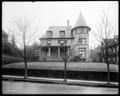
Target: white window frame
(82,52)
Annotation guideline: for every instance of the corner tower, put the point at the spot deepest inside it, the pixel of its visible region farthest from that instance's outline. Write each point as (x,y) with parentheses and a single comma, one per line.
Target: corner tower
(80,32)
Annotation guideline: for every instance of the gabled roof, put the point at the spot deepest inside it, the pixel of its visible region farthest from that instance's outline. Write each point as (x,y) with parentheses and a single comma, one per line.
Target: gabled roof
(56,29)
(110,42)
(80,21)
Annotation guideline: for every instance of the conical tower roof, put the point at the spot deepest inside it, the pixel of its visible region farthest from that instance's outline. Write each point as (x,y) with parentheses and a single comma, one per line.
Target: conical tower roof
(80,22)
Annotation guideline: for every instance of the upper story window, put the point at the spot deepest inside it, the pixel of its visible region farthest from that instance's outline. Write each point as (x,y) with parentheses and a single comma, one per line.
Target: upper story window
(114,50)
(87,30)
(62,34)
(49,34)
(82,40)
(84,30)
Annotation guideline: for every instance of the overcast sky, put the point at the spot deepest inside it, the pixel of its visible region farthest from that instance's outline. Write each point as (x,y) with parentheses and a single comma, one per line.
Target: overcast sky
(47,14)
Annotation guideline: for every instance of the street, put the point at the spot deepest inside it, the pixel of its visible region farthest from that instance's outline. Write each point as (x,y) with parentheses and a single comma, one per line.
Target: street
(19,87)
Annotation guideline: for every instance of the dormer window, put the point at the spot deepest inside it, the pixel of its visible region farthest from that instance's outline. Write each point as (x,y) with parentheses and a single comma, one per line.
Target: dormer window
(62,34)
(49,33)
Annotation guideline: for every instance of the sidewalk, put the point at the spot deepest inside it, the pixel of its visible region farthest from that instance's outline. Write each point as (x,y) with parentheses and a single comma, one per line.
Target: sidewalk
(61,81)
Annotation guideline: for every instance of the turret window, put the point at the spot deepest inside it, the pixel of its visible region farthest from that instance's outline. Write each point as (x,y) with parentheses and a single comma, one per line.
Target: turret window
(82,30)
(82,40)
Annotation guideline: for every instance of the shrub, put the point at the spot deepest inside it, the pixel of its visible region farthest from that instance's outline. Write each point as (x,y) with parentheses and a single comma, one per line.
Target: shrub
(75,59)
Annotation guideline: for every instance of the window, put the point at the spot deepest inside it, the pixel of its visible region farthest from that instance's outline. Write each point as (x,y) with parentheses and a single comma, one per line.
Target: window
(82,40)
(82,52)
(82,30)
(78,30)
(62,34)
(117,48)
(109,59)
(74,32)
(85,31)
(114,59)
(58,41)
(109,50)
(49,33)
(113,50)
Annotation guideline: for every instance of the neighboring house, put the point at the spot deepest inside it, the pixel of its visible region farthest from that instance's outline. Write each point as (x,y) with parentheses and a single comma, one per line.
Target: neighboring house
(53,42)
(4,37)
(113,51)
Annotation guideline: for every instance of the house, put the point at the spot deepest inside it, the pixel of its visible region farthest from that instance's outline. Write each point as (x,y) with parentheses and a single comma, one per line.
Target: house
(4,37)
(59,39)
(113,50)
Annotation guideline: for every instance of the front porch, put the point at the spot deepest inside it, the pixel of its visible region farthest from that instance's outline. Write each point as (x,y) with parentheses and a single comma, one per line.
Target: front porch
(53,53)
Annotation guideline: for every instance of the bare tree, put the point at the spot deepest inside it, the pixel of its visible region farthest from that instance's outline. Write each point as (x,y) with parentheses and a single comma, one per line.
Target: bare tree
(102,35)
(23,32)
(67,57)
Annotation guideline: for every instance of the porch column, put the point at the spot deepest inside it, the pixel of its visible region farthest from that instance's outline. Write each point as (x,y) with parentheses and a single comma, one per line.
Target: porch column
(40,51)
(58,51)
(68,50)
(40,55)
(49,51)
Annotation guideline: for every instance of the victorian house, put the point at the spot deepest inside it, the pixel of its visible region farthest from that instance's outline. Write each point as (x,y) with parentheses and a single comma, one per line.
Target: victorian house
(113,50)
(58,38)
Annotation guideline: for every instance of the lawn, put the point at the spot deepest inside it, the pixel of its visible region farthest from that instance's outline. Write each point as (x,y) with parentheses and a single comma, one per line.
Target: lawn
(75,66)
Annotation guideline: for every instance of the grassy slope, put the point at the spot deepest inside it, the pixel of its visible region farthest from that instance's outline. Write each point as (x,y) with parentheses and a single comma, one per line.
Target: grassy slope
(60,66)
(9,57)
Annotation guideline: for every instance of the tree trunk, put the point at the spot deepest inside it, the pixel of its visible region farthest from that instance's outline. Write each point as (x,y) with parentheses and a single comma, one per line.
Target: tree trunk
(25,77)
(108,75)
(25,61)
(65,72)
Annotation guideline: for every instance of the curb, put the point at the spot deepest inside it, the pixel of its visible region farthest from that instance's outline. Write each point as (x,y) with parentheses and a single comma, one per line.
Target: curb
(58,81)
